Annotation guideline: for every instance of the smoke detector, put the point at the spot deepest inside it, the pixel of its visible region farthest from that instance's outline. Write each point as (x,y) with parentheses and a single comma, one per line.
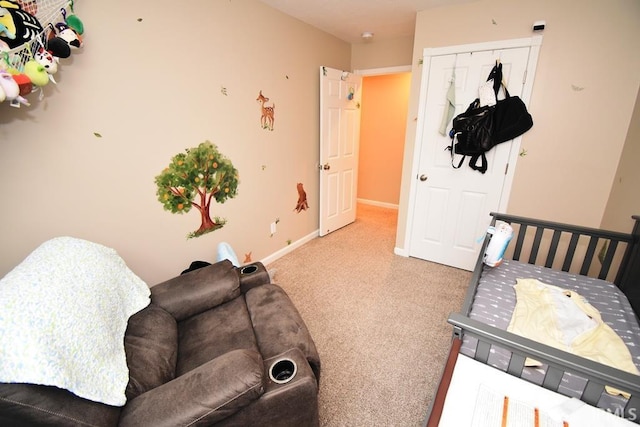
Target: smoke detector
(367,35)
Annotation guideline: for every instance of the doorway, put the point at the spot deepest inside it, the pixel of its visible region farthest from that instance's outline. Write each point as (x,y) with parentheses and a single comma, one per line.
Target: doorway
(383,123)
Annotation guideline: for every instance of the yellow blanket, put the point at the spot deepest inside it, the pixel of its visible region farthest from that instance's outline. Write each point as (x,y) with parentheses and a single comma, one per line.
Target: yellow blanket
(563,319)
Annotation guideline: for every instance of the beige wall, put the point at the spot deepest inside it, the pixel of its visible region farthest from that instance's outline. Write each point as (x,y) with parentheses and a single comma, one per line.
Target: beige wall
(624,200)
(382,53)
(385,99)
(152,88)
(152,92)
(378,58)
(583,97)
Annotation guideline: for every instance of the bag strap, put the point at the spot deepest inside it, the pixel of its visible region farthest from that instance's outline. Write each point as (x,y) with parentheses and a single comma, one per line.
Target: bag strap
(473,163)
(450,148)
(498,79)
(496,75)
(459,163)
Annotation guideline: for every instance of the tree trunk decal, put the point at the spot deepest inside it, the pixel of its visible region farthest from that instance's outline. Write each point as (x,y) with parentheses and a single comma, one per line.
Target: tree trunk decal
(196,178)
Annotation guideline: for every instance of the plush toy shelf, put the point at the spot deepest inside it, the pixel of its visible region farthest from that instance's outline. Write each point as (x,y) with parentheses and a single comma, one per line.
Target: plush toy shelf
(34,35)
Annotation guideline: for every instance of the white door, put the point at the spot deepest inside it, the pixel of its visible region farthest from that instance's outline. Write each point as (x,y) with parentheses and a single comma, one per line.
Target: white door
(451,206)
(340,97)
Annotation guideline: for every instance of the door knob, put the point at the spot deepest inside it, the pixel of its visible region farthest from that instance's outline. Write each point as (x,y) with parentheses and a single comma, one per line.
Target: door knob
(326,166)
(423,177)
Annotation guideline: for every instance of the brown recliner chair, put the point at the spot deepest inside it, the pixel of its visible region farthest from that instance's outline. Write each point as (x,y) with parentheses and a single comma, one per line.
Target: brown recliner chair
(217,346)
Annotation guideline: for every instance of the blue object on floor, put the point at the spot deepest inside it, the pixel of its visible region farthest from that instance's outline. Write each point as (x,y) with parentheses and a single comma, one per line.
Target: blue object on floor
(226,252)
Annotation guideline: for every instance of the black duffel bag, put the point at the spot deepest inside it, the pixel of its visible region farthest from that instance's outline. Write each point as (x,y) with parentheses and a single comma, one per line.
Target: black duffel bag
(479,129)
(471,135)
(510,118)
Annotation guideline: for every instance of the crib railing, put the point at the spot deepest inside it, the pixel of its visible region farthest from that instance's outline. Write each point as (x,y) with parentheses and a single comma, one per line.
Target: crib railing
(575,249)
(611,242)
(558,362)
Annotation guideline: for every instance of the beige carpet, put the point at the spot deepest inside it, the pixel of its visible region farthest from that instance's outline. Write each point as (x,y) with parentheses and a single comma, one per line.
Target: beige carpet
(378,320)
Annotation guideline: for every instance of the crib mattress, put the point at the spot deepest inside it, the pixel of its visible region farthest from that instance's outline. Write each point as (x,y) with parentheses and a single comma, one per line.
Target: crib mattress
(495,301)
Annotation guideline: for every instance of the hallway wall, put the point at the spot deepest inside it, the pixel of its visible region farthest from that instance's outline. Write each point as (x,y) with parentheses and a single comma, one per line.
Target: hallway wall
(385,101)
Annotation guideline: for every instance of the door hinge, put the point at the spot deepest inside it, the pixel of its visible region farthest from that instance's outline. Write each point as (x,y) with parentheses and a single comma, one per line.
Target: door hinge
(524,77)
(506,168)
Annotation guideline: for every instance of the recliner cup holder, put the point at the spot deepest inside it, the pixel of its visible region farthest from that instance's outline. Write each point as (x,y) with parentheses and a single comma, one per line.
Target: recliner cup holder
(282,371)
(248,269)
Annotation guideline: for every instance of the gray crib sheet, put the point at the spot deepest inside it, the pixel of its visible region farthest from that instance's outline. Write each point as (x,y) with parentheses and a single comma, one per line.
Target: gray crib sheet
(495,301)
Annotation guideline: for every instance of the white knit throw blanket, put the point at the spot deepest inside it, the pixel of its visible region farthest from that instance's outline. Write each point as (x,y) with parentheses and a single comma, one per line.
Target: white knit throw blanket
(63,315)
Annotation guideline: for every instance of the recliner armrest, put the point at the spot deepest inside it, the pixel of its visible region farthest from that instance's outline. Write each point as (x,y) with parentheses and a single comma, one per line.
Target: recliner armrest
(278,326)
(252,275)
(197,291)
(294,403)
(203,396)
(32,404)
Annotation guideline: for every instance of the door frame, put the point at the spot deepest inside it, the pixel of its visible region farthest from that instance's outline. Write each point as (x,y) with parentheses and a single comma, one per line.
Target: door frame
(534,43)
(373,72)
(368,72)
(363,73)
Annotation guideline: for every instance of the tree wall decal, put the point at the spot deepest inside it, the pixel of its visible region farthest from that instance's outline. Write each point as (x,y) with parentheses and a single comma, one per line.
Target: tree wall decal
(194,179)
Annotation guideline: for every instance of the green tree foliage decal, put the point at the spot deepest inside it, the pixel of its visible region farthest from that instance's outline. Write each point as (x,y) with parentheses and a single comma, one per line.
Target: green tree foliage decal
(193,180)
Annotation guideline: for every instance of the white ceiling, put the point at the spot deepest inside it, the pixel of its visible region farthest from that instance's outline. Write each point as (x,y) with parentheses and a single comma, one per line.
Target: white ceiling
(348,19)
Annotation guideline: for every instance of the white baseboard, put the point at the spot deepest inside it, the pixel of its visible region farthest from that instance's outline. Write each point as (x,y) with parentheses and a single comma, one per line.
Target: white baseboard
(376,203)
(295,245)
(401,251)
(289,248)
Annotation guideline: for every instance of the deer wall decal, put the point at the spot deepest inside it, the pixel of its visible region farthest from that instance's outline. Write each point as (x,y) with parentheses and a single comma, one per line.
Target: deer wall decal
(267,118)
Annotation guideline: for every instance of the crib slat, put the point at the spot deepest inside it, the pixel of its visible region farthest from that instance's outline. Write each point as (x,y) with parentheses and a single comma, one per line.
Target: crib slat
(571,250)
(591,250)
(592,393)
(632,409)
(536,245)
(608,258)
(553,248)
(516,365)
(518,249)
(552,378)
(482,352)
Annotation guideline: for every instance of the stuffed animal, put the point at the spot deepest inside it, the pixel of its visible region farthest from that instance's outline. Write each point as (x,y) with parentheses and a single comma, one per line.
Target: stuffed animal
(47,60)
(11,90)
(36,73)
(9,86)
(8,63)
(4,31)
(24,84)
(7,29)
(73,21)
(69,35)
(19,26)
(31,6)
(57,46)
